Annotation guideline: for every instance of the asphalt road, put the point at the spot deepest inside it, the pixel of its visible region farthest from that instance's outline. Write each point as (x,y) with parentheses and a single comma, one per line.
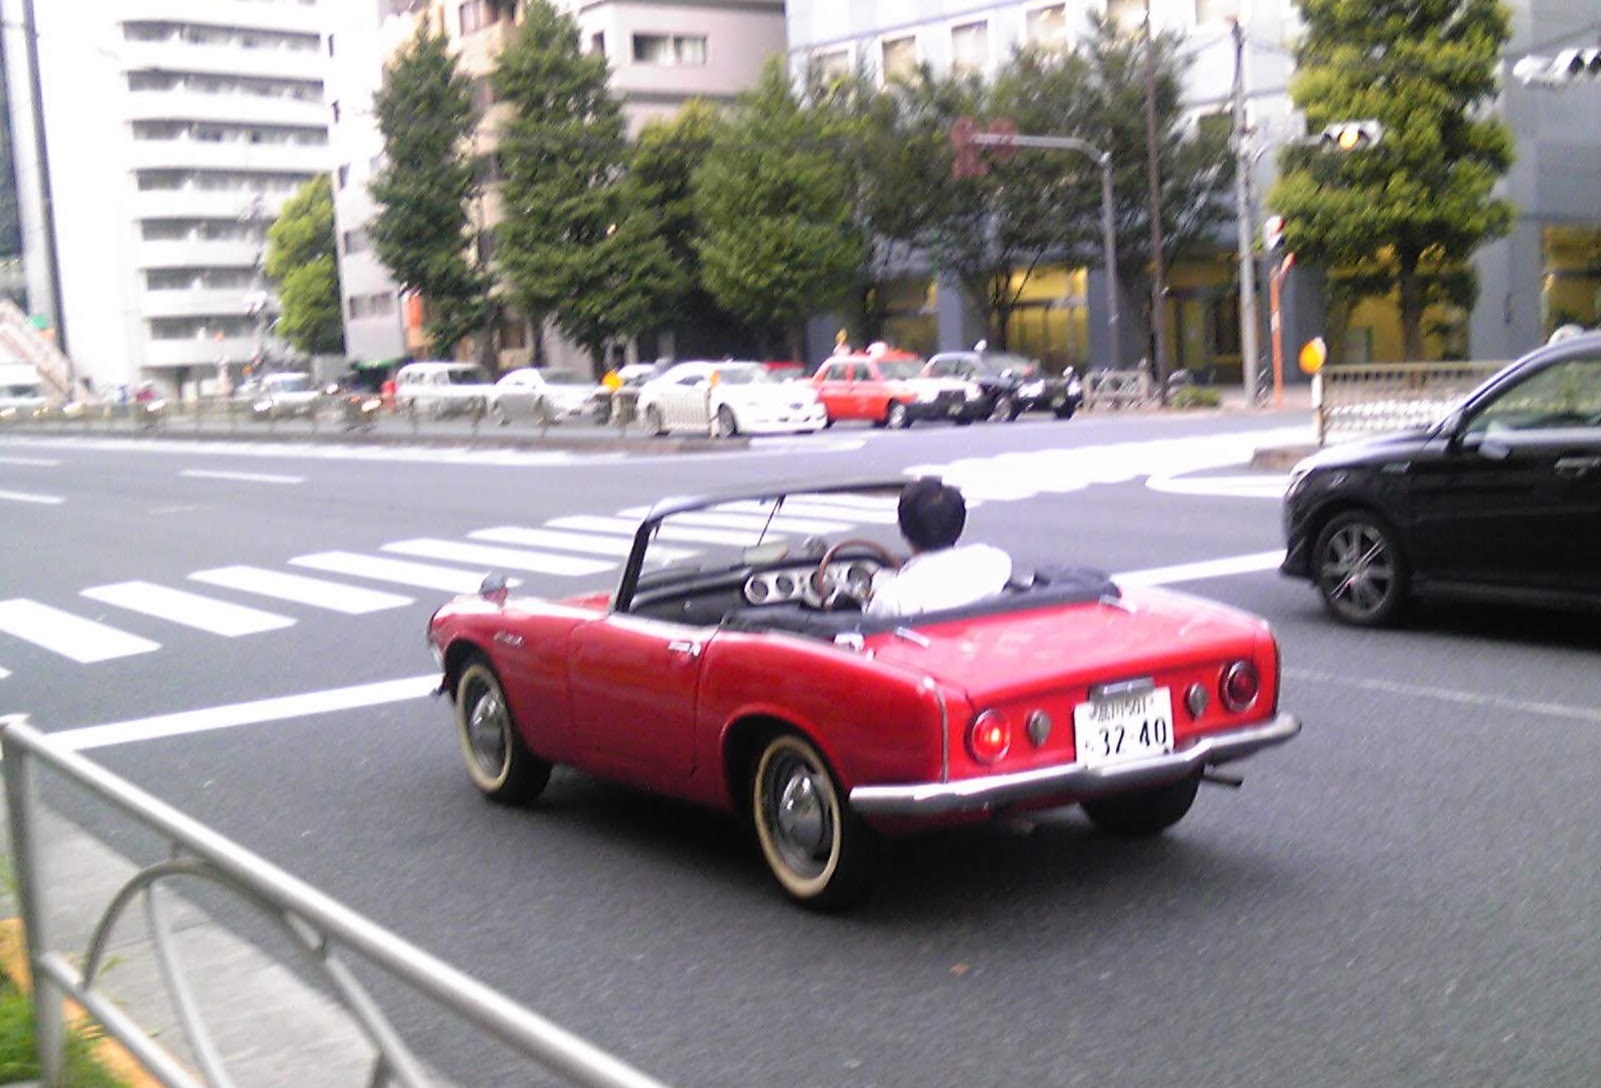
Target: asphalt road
(1406,895)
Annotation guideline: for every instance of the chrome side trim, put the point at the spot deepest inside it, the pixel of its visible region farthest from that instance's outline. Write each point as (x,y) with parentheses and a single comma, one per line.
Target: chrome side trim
(1071,781)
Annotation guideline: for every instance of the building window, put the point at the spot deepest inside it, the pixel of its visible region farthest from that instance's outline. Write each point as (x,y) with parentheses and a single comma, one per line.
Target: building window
(478,14)
(1127,15)
(342,175)
(1216,11)
(669,49)
(831,64)
(899,59)
(355,241)
(483,94)
(1046,28)
(970,47)
(597,43)
(334,106)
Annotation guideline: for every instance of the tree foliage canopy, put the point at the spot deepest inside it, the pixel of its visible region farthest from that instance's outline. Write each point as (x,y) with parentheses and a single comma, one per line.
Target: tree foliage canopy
(1405,215)
(302,261)
(426,188)
(779,241)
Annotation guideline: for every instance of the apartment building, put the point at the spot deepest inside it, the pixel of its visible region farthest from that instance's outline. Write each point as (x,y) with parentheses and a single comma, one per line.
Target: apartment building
(661,55)
(1546,273)
(175,131)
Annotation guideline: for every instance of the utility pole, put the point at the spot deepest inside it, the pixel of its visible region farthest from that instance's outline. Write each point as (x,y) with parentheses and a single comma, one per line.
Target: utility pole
(30,30)
(1244,233)
(1158,276)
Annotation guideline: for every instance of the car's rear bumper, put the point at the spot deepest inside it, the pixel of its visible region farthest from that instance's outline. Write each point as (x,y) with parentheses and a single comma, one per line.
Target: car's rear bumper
(1070,782)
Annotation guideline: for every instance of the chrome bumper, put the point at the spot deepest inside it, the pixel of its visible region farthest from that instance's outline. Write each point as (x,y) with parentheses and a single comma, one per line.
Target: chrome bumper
(1072,781)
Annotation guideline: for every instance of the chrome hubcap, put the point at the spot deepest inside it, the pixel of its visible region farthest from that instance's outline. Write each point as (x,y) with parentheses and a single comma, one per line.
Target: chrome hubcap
(799,815)
(1358,570)
(486,732)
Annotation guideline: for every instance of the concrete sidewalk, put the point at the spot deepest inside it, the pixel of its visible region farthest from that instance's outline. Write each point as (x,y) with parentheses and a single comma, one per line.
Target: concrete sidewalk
(271,1027)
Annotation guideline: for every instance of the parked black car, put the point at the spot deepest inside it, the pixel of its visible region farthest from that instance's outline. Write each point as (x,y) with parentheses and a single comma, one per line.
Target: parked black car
(1500,500)
(1012,384)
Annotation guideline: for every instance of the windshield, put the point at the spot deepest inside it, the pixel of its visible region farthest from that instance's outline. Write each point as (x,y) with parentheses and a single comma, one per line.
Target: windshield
(468,375)
(901,369)
(290,383)
(744,375)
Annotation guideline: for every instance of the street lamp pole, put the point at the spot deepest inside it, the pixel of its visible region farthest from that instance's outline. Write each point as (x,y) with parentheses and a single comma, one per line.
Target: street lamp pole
(1103,159)
(1242,217)
(1153,167)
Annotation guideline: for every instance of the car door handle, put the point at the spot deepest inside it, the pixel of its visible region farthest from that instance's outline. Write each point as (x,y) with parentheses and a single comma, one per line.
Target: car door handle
(1576,466)
(687,648)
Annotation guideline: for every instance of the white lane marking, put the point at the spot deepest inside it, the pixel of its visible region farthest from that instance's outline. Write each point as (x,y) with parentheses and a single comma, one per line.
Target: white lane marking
(85,641)
(4,672)
(41,462)
(1208,568)
(446,579)
(1007,477)
(253,713)
(681,533)
(188,609)
(336,596)
(275,450)
(1232,487)
(1474,699)
(499,558)
(25,496)
(246,477)
(579,542)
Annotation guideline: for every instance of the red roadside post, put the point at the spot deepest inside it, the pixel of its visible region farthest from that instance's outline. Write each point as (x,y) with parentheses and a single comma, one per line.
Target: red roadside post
(1276,288)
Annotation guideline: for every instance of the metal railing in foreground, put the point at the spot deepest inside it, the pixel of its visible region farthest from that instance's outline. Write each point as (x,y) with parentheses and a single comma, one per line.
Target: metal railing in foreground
(321,928)
(1374,397)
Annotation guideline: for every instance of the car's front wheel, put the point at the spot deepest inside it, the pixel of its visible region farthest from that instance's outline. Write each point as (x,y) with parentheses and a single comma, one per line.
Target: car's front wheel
(498,761)
(1066,411)
(724,425)
(654,423)
(497,414)
(896,417)
(1360,570)
(819,851)
(1004,410)
(1144,812)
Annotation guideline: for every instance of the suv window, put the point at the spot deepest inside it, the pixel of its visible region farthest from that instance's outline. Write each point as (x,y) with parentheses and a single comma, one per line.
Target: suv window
(1566,394)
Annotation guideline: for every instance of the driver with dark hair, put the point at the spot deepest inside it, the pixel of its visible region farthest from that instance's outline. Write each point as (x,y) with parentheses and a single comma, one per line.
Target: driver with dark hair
(939,574)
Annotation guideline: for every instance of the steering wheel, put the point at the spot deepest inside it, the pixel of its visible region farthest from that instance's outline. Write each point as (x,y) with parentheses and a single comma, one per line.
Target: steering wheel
(820,575)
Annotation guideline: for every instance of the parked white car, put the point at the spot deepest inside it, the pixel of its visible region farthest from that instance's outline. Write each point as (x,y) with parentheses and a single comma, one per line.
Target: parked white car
(544,397)
(21,391)
(728,398)
(280,396)
(437,389)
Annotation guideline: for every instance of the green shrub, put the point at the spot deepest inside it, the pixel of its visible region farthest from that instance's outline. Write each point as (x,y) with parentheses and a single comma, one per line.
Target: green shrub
(19,1060)
(1195,396)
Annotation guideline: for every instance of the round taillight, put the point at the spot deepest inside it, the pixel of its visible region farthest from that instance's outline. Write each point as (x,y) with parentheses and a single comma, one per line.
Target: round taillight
(989,737)
(1240,687)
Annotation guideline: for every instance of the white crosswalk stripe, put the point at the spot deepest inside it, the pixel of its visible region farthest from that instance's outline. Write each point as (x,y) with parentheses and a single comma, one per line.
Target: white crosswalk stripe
(84,641)
(189,609)
(317,592)
(819,508)
(379,568)
(31,497)
(618,546)
(508,558)
(679,533)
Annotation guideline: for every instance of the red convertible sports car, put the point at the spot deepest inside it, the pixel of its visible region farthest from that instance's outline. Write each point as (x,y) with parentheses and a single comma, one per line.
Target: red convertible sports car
(733,666)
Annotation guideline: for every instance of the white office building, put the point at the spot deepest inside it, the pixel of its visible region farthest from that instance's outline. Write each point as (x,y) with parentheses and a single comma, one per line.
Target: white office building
(176,129)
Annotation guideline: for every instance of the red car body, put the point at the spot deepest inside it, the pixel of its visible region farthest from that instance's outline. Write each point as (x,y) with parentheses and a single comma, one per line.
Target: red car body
(869,386)
(744,687)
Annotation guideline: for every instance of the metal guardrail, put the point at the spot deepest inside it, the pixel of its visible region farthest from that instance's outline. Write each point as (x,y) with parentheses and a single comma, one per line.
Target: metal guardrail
(322,929)
(1376,397)
(1118,389)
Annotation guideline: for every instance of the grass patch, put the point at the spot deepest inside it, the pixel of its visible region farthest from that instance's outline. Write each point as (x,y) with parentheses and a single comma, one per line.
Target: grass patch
(19,1058)
(1195,396)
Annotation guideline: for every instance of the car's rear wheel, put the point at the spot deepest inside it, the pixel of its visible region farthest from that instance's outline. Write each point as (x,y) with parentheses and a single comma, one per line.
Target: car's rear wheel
(497,414)
(724,425)
(896,417)
(1360,570)
(1144,812)
(654,423)
(819,851)
(498,761)
(1004,410)
(1065,411)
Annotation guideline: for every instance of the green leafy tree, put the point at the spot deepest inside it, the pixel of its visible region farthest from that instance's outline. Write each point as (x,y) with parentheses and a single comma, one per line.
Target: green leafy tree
(573,246)
(779,239)
(1403,217)
(303,264)
(426,189)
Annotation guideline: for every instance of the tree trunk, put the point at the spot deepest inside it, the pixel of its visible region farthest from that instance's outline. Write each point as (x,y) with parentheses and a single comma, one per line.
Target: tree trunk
(795,341)
(1411,292)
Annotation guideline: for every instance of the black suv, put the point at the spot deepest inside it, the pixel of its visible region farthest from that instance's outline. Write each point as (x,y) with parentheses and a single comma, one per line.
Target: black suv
(1012,384)
(1499,500)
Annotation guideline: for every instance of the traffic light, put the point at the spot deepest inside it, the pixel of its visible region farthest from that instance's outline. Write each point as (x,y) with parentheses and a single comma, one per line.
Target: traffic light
(1568,66)
(1351,136)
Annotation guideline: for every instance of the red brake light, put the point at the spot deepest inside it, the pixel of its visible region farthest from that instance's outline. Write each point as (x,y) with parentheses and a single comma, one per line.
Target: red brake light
(989,738)
(1240,686)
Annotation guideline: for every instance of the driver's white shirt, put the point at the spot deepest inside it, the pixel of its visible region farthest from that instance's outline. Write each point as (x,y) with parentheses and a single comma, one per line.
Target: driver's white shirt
(944,578)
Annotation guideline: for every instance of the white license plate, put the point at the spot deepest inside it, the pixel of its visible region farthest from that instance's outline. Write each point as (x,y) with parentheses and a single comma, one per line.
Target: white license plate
(1124,727)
